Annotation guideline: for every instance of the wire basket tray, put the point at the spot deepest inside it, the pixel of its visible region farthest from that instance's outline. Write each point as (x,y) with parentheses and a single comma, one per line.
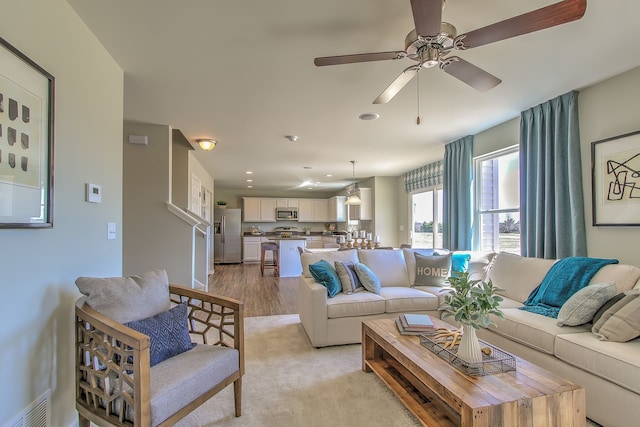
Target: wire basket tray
(496,362)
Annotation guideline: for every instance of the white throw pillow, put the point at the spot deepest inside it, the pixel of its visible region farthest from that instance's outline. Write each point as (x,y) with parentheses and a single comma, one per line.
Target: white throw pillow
(583,305)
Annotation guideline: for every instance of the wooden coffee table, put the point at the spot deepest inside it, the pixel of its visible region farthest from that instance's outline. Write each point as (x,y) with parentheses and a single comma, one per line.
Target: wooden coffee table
(438,394)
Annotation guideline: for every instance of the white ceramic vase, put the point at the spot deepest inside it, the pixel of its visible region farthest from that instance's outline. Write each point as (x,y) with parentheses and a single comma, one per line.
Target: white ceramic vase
(469,349)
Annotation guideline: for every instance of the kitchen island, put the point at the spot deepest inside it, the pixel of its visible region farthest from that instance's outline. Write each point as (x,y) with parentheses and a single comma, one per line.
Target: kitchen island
(289,256)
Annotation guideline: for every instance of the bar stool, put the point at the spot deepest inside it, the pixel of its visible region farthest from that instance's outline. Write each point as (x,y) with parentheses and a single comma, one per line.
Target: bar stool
(273,247)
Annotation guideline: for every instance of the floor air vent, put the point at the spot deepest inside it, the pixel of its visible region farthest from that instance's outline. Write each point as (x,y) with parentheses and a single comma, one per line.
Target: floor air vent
(37,414)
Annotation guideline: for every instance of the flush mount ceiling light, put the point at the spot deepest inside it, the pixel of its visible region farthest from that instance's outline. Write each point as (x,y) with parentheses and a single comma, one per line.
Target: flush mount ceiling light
(352,196)
(369,116)
(207,144)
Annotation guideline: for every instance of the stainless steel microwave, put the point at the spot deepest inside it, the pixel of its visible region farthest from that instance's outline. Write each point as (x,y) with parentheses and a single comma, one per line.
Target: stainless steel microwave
(287,214)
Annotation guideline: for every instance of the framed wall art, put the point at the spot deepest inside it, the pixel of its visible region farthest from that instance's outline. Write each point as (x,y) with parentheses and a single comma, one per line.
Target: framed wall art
(26,141)
(615,180)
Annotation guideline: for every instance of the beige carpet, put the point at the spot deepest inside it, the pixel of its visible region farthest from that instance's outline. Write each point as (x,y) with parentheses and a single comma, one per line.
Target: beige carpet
(290,383)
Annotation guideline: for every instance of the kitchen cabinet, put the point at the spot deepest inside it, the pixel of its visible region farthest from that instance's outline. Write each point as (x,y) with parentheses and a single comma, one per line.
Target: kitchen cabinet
(286,203)
(314,242)
(258,209)
(337,209)
(313,210)
(363,212)
(251,249)
(330,242)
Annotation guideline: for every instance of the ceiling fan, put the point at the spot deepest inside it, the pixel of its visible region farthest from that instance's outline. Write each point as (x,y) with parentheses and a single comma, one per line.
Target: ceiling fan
(432,40)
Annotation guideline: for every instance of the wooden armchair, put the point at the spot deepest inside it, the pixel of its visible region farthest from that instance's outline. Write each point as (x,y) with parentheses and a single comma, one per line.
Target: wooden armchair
(115,385)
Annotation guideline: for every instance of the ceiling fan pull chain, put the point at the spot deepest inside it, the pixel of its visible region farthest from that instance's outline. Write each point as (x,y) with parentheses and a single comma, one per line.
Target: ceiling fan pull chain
(418,118)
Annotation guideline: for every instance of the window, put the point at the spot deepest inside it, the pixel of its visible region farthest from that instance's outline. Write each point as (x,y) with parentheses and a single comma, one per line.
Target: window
(497,199)
(426,219)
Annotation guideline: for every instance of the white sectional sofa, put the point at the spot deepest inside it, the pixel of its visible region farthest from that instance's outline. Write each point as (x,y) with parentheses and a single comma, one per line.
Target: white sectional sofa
(609,371)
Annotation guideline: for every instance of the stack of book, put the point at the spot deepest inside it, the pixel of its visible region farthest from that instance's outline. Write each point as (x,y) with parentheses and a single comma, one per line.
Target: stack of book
(414,324)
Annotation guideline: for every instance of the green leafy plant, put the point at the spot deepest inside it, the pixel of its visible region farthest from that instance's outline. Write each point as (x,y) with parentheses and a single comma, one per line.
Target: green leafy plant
(471,302)
(221,203)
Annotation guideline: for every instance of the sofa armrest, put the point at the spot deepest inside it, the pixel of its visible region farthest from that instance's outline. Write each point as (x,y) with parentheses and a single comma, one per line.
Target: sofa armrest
(312,306)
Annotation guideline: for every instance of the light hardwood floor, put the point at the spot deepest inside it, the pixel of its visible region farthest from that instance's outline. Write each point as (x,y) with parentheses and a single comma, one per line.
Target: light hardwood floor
(262,296)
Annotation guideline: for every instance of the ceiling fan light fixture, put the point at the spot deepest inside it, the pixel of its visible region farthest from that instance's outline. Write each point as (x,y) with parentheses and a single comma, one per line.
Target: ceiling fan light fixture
(207,144)
(430,57)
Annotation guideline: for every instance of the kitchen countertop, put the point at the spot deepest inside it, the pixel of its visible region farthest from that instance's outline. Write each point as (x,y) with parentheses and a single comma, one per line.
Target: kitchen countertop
(285,238)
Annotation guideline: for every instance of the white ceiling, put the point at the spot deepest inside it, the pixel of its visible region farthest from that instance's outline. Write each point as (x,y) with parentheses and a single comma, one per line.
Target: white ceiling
(242,72)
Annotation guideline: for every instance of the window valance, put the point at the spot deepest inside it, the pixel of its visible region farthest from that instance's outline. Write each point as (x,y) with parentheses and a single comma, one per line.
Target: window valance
(427,176)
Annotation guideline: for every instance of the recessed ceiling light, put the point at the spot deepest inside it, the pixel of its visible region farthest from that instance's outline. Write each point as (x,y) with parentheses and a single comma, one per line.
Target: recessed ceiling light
(306,167)
(249,186)
(328,175)
(249,180)
(291,138)
(309,188)
(248,172)
(369,116)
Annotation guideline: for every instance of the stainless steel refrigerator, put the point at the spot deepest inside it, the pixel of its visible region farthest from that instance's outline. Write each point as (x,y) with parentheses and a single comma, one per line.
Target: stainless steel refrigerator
(227,236)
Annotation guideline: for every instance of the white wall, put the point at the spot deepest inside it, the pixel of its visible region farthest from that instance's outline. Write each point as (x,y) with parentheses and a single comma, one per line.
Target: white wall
(609,109)
(39,267)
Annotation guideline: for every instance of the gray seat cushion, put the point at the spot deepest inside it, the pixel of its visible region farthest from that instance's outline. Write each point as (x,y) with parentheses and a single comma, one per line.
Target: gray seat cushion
(613,361)
(359,304)
(179,380)
(531,329)
(400,299)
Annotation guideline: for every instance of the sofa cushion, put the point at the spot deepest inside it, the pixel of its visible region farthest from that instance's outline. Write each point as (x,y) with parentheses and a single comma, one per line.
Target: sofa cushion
(479,263)
(168,333)
(125,299)
(358,304)
(388,264)
(400,299)
(613,361)
(623,325)
(308,258)
(325,274)
(624,276)
(348,277)
(583,305)
(432,270)
(531,329)
(368,278)
(185,372)
(518,275)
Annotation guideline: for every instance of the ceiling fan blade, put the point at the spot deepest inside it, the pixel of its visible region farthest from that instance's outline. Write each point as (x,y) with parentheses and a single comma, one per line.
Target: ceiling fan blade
(396,85)
(427,16)
(546,17)
(360,57)
(468,73)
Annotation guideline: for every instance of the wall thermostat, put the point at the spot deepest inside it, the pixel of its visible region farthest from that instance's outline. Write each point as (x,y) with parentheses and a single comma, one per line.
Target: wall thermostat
(93,193)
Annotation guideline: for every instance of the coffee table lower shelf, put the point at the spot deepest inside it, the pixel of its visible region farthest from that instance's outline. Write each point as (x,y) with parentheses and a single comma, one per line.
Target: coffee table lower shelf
(420,401)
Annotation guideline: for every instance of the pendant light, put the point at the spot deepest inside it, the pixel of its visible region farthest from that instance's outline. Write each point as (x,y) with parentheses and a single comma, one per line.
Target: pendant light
(352,196)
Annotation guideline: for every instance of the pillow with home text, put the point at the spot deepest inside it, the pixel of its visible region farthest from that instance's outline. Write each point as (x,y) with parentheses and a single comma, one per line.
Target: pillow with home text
(432,270)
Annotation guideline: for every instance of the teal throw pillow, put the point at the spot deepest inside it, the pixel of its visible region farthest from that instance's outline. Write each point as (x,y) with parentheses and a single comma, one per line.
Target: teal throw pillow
(368,278)
(460,262)
(432,270)
(324,273)
(168,333)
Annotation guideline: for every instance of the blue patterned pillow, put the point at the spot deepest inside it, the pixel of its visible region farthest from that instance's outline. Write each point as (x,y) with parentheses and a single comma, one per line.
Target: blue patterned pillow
(324,273)
(368,278)
(348,277)
(168,333)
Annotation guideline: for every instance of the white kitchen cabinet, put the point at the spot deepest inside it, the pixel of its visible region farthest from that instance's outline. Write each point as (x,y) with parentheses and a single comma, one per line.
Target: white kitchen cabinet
(337,209)
(330,242)
(259,209)
(313,210)
(314,242)
(251,249)
(287,203)
(365,210)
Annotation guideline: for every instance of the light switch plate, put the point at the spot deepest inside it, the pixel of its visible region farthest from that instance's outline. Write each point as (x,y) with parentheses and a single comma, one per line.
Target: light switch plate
(93,193)
(111,231)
